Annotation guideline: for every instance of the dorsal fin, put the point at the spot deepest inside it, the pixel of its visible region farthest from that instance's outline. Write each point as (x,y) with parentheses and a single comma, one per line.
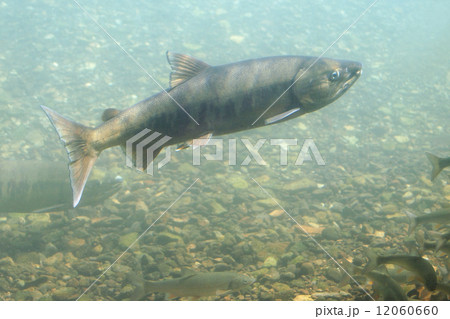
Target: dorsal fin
(184,67)
(109,114)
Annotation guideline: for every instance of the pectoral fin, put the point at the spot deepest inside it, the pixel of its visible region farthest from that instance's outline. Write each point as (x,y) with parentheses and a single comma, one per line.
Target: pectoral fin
(281,116)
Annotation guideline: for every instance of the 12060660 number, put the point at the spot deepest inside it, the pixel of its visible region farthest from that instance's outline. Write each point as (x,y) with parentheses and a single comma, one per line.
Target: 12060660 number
(407,310)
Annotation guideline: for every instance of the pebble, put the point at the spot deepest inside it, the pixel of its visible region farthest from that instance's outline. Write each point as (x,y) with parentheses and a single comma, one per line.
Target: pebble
(401,138)
(270,262)
(333,274)
(306,269)
(331,233)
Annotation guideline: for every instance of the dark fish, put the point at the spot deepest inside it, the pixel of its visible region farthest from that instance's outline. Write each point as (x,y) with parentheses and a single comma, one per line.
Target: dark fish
(204,100)
(439,216)
(199,284)
(39,186)
(418,265)
(438,164)
(442,239)
(433,245)
(386,287)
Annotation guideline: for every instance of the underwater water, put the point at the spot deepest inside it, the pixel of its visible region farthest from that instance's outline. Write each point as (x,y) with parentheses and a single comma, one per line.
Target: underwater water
(286,225)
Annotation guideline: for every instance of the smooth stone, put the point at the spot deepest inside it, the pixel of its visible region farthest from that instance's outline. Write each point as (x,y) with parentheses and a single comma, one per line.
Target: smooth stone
(283,291)
(333,274)
(165,238)
(287,276)
(126,240)
(302,184)
(306,269)
(330,233)
(65,293)
(270,262)
(55,259)
(297,260)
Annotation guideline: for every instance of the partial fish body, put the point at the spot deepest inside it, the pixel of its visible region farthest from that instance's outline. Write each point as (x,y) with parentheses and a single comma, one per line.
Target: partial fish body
(436,246)
(418,265)
(203,100)
(438,164)
(386,287)
(39,186)
(439,216)
(199,284)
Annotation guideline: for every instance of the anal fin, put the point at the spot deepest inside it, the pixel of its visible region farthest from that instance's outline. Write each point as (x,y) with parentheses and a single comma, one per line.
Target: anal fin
(281,116)
(201,141)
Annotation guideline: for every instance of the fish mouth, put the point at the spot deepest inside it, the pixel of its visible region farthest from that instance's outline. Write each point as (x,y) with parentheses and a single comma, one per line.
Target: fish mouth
(353,72)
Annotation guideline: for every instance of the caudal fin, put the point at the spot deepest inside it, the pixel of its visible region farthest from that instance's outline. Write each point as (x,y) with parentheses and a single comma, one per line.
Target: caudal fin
(372,261)
(435,164)
(412,221)
(82,155)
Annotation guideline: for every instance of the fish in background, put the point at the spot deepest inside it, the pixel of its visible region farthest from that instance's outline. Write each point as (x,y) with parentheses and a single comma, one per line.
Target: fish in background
(196,285)
(441,216)
(417,265)
(40,186)
(438,164)
(205,100)
(385,287)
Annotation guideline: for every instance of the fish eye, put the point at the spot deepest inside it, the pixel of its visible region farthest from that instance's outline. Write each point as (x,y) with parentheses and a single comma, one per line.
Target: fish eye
(334,75)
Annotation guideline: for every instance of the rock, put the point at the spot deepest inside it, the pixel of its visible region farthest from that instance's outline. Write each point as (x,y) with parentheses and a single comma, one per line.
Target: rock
(217,208)
(141,207)
(277,213)
(219,236)
(401,139)
(306,269)
(303,298)
(65,293)
(408,195)
(86,268)
(166,237)
(330,233)
(76,243)
(266,295)
(126,240)
(238,182)
(270,262)
(287,276)
(237,38)
(302,184)
(55,259)
(333,274)
(297,260)
(260,272)
(97,249)
(6,261)
(50,249)
(283,291)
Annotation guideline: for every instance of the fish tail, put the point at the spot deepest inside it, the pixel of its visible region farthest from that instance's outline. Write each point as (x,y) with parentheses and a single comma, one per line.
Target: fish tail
(372,261)
(82,155)
(436,167)
(412,221)
(440,240)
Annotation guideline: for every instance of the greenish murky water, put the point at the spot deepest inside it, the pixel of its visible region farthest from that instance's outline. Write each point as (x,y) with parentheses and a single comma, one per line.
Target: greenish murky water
(216,216)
